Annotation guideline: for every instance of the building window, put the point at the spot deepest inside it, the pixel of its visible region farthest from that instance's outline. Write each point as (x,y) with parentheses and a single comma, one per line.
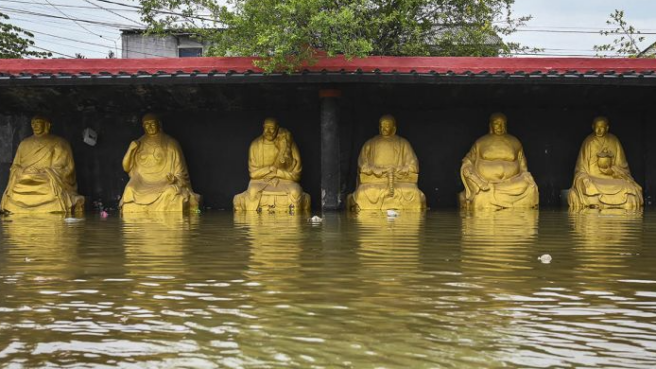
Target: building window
(190,52)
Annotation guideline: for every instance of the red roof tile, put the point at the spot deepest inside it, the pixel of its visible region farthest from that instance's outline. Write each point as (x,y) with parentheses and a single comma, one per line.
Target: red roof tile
(338,64)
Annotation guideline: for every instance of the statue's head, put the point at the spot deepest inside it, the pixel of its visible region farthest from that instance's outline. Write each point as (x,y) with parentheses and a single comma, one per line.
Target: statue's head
(387,125)
(151,124)
(270,129)
(498,124)
(40,125)
(600,126)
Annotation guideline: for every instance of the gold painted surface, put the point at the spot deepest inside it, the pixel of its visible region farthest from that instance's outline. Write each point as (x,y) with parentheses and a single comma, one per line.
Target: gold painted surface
(388,171)
(602,178)
(274,165)
(42,176)
(495,173)
(159,180)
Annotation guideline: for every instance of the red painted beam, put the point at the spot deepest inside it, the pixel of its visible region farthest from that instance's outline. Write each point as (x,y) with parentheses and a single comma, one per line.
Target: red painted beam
(336,64)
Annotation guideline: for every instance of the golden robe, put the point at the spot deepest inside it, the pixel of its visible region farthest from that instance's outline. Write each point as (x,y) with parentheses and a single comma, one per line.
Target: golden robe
(602,177)
(498,162)
(42,177)
(279,190)
(159,180)
(392,190)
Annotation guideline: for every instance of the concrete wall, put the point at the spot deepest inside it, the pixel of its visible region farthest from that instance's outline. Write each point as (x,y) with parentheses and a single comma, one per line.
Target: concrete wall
(150,46)
(216,123)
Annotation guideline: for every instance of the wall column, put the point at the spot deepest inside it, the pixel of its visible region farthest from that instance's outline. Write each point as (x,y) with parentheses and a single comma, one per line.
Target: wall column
(332,197)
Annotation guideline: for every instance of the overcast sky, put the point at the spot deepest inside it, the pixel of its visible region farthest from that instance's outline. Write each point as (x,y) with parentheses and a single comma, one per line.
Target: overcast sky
(565,22)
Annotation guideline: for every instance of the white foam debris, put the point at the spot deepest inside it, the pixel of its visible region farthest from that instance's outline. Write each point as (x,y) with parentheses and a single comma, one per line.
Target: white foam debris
(315,219)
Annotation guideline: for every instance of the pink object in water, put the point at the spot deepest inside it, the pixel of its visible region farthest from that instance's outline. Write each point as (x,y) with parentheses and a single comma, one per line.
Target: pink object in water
(104,214)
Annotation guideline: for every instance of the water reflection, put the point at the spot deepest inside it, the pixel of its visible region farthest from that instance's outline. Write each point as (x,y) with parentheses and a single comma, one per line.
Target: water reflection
(498,241)
(605,241)
(388,246)
(275,245)
(436,290)
(156,242)
(33,241)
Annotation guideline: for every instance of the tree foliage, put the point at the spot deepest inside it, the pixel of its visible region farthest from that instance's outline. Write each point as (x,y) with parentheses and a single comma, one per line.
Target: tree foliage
(627,38)
(15,42)
(287,33)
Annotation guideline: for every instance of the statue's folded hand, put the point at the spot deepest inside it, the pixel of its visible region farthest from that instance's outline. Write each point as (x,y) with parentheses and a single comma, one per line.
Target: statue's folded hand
(378,172)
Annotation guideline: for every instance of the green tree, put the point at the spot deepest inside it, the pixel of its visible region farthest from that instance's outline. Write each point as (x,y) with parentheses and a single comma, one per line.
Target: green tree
(15,42)
(626,41)
(287,33)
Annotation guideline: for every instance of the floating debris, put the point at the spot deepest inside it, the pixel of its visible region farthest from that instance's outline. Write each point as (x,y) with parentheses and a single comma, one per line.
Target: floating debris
(392,213)
(545,259)
(104,214)
(315,219)
(73,220)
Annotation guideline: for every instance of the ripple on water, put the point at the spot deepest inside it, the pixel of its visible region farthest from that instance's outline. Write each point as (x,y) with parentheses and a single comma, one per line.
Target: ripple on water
(440,289)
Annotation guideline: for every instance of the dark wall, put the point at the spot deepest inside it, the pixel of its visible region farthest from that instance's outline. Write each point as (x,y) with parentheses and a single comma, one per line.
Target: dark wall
(442,122)
(216,123)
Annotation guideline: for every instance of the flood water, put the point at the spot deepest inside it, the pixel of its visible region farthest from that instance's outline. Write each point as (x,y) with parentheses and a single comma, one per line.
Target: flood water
(436,290)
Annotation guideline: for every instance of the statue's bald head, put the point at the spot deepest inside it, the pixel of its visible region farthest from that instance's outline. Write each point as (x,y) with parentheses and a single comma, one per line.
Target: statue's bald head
(270,128)
(40,125)
(151,124)
(600,126)
(498,123)
(387,125)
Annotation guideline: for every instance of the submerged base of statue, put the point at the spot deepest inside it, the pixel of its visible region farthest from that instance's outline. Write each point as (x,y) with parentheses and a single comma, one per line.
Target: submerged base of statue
(170,200)
(520,192)
(48,203)
(285,196)
(377,194)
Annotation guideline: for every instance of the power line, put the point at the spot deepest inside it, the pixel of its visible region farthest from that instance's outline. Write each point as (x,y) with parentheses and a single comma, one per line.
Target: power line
(54,52)
(27,12)
(160,11)
(67,16)
(91,43)
(64,5)
(572,31)
(124,17)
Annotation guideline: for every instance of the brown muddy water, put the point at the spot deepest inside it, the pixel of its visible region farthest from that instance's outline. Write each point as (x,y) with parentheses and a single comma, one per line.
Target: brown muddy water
(436,290)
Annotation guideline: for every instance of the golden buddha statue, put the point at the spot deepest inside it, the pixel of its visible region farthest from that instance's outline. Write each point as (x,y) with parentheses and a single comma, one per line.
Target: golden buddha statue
(159,180)
(274,165)
(602,178)
(42,176)
(388,171)
(494,172)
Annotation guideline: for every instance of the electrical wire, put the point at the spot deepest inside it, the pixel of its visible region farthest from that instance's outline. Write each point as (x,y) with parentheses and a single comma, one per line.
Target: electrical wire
(124,17)
(27,12)
(51,51)
(93,44)
(74,21)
